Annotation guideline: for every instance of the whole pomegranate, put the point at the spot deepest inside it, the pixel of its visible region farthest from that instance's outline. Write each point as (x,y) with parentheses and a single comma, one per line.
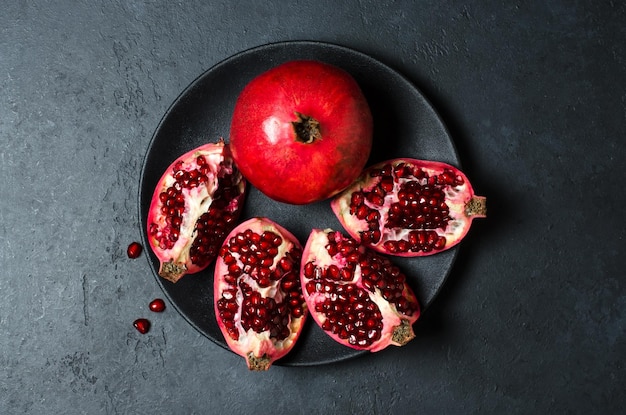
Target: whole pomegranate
(357,296)
(301,132)
(257,293)
(195,204)
(409,207)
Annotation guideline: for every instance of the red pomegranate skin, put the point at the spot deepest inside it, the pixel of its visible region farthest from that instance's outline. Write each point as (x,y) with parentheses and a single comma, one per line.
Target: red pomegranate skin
(295,168)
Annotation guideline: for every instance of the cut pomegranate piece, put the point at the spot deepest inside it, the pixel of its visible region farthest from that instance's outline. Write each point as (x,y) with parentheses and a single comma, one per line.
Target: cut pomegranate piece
(409,207)
(357,296)
(194,206)
(258,298)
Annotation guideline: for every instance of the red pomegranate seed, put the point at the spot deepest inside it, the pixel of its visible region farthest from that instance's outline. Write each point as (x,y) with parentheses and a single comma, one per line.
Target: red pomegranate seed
(157,305)
(134,250)
(142,325)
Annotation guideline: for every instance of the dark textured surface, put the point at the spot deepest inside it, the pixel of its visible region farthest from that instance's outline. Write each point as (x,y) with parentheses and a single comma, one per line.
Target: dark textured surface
(532,317)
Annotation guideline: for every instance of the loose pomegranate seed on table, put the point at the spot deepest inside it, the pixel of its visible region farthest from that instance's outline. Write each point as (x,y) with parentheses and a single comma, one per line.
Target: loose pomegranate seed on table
(157,305)
(134,250)
(142,325)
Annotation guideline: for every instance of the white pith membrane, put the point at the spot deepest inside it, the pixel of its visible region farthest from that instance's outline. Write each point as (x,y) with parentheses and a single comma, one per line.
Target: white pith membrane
(318,254)
(253,345)
(456,199)
(197,201)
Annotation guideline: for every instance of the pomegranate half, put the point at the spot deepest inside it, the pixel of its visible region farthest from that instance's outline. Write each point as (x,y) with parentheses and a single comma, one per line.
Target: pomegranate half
(257,294)
(357,296)
(195,204)
(408,207)
(301,131)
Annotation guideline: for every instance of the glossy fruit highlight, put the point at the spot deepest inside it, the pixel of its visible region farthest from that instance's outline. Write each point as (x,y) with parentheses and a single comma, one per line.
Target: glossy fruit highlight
(301,132)
(409,207)
(258,298)
(357,296)
(195,204)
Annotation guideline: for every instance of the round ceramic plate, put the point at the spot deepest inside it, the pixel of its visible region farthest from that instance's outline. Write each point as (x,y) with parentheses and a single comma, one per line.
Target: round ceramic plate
(406,125)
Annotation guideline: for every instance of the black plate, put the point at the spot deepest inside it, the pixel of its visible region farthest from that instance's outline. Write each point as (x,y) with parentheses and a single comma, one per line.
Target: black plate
(405,125)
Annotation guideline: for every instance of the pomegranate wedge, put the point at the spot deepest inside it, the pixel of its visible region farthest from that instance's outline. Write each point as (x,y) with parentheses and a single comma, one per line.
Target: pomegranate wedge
(258,298)
(409,207)
(195,204)
(357,296)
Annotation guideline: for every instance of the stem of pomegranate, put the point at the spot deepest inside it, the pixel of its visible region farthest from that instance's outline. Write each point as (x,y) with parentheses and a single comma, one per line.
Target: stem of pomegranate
(476,207)
(307,129)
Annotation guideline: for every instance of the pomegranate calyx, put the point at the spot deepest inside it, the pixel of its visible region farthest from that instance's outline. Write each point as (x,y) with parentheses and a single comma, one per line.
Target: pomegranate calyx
(403,333)
(476,207)
(259,364)
(172,271)
(307,129)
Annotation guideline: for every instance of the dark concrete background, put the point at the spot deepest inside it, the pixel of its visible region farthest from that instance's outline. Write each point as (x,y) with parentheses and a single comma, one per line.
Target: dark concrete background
(532,317)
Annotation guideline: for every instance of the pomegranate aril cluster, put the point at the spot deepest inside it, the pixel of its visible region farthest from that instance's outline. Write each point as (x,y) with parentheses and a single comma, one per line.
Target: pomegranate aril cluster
(420,207)
(214,225)
(349,310)
(211,229)
(173,201)
(252,256)
(263,314)
(351,315)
